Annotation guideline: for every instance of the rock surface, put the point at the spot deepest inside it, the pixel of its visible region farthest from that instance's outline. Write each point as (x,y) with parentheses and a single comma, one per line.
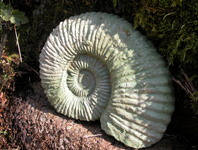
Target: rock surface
(38,126)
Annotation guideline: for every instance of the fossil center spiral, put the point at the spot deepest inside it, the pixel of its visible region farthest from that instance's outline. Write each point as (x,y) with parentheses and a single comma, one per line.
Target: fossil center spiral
(85,83)
(87,75)
(86,79)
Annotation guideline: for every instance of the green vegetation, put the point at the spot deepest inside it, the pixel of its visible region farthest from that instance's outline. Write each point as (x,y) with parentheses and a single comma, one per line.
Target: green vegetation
(172,25)
(9,19)
(7,13)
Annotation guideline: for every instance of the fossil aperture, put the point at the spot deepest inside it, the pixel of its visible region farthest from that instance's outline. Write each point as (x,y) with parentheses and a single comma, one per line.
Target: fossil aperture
(96,66)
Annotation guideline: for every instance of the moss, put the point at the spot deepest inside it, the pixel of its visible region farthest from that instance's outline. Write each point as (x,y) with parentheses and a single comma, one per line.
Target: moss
(172,25)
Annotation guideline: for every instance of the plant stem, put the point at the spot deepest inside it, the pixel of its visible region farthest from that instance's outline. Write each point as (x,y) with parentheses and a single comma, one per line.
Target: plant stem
(3,41)
(17,43)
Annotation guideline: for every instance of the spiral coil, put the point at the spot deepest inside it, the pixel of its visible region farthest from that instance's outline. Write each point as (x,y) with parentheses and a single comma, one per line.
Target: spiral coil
(95,66)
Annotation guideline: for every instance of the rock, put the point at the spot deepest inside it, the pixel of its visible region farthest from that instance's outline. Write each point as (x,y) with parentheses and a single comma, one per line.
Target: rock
(37,125)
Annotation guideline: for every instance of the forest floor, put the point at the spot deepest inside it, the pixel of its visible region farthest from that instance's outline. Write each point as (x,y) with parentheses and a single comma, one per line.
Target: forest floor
(29,122)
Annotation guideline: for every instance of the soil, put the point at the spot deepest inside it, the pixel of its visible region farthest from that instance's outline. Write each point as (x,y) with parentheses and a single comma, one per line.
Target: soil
(35,124)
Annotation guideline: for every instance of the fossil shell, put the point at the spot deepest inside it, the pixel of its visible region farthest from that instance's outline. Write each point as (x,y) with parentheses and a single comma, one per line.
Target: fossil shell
(96,66)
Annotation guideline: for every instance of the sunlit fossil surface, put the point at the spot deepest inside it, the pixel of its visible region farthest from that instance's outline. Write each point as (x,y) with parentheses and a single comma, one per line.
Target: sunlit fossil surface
(96,66)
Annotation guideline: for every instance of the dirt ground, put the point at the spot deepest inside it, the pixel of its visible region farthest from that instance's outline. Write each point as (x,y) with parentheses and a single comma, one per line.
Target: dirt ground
(35,125)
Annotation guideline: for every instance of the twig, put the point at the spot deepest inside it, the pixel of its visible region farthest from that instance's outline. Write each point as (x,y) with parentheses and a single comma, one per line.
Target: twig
(25,65)
(17,43)
(3,43)
(95,135)
(180,84)
(186,84)
(191,86)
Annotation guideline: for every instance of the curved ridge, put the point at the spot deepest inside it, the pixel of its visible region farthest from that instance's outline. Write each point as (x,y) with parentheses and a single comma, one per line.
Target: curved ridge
(96,66)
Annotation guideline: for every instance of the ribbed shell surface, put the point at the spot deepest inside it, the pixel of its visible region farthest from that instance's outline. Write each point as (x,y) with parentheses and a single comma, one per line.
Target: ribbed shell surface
(96,66)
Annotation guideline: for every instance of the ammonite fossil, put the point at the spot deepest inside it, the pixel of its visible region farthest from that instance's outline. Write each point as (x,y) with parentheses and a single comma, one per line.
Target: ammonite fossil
(96,66)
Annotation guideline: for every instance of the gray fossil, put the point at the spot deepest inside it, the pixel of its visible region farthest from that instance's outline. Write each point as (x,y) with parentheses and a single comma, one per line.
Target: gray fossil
(96,66)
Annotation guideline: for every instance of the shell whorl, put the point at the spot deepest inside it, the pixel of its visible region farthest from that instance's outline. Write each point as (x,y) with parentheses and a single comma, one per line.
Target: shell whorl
(95,66)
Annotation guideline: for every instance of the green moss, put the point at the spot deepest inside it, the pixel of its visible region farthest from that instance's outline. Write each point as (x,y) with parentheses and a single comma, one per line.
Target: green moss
(172,25)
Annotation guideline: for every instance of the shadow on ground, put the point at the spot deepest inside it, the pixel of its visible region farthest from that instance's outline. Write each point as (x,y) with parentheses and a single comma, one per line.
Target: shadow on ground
(36,125)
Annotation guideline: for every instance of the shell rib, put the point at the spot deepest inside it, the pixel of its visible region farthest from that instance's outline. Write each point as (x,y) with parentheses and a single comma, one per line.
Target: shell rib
(95,66)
